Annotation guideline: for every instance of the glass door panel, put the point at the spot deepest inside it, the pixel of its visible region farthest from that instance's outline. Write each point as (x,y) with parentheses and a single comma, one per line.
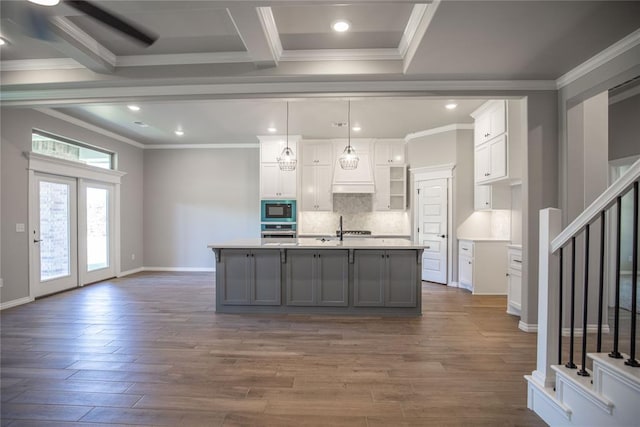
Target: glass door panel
(54,235)
(97,228)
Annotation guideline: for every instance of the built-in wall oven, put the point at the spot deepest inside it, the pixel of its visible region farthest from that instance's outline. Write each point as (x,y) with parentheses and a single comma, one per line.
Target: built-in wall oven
(279,231)
(278,211)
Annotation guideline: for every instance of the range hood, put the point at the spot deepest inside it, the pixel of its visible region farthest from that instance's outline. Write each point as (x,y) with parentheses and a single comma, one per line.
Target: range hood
(358,180)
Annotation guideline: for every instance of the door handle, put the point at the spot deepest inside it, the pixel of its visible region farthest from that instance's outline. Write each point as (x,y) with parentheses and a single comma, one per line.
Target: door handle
(443,236)
(37,240)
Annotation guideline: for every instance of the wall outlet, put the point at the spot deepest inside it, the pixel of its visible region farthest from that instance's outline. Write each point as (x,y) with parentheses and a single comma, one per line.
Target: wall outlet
(19,228)
(133,257)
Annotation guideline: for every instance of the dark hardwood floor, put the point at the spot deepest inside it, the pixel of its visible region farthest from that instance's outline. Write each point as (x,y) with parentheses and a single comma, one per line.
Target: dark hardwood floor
(149,349)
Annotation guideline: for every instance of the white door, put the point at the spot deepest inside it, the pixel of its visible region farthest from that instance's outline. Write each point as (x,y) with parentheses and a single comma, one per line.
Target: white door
(54,235)
(96,214)
(432,229)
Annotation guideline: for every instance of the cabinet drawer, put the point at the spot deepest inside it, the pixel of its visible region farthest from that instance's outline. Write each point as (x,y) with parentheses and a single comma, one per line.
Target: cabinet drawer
(515,259)
(465,247)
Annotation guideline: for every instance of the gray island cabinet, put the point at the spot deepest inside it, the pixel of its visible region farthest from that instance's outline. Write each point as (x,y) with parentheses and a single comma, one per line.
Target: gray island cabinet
(315,276)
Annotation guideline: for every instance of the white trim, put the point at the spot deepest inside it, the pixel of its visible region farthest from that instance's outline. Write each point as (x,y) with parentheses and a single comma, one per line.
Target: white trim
(82,42)
(432,172)
(40,64)
(594,209)
(268,22)
(421,29)
(601,58)
(591,329)
(16,302)
(527,327)
(109,94)
(417,13)
(54,166)
(388,54)
(83,124)
(130,272)
(581,386)
(182,59)
(441,129)
(201,146)
(183,269)
(453,284)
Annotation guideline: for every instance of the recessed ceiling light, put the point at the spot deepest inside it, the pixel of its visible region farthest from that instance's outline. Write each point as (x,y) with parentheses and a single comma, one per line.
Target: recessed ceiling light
(451,106)
(179,132)
(341,25)
(141,124)
(272,129)
(45,2)
(133,107)
(356,128)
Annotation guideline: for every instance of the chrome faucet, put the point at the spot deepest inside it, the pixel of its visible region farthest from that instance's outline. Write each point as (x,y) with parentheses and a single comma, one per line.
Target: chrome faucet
(340,232)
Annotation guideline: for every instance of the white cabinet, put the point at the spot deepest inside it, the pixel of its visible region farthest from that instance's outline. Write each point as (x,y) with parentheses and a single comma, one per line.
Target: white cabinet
(274,183)
(389,152)
(491,160)
(391,188)
(482,266)
(490,121)
(514,280)
(487,197)
(315,190)
(316,153)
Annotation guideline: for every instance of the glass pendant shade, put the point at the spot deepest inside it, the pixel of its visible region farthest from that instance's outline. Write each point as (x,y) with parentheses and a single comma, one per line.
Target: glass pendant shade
(287,160)
(349,159)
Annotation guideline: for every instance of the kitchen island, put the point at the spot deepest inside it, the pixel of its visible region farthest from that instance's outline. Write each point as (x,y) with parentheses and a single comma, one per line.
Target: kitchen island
(319,276)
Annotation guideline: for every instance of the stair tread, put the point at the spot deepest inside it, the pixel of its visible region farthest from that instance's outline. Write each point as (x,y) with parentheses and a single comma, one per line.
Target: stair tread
(617,365)
(583,383)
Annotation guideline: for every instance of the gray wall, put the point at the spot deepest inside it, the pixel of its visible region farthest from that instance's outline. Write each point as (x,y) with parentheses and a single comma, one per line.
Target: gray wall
(17,125)
(194,197)
(453,147)
(624,128)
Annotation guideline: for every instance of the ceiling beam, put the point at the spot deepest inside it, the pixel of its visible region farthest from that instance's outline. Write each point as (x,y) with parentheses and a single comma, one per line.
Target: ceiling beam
(257,29)
(419,21)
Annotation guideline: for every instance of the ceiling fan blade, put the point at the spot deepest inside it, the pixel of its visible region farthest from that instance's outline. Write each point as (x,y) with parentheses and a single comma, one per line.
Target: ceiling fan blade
(113,21)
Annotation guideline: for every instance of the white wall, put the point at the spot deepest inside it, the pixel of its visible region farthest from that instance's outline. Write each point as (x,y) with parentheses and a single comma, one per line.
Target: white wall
(195,197)
(17,125)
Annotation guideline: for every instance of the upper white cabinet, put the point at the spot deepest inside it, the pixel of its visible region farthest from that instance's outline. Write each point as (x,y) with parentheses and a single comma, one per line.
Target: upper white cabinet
(491,160)
(389,152)
(486,197)
(274,183)
(316,176)
(490,121)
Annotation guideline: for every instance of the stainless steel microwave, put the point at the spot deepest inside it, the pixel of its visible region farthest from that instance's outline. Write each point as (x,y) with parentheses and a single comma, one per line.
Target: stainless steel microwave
(278,211)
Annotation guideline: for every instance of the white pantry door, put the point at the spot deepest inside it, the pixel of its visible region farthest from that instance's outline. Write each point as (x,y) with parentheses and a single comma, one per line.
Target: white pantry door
(54,235)
(432,229)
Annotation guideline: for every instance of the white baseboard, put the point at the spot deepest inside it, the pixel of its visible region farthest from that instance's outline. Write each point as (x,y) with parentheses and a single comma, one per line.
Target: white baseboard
(16,302)
(129,272)
(181,269)
(591,329)
(528,327)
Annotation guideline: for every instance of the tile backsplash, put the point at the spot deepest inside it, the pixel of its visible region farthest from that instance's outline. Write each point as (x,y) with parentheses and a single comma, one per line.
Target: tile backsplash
(357,214)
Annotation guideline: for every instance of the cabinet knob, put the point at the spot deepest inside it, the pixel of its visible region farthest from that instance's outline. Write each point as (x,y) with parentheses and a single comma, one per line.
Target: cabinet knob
(382,255)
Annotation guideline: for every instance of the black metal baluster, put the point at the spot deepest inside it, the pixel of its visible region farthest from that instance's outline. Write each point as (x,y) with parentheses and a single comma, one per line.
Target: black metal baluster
(570,363)
(560,310)
(585,302)
(601,284)
(634,281)
(616,319)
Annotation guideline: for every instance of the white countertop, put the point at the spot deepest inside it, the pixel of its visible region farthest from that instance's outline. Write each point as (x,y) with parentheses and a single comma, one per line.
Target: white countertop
(317,243)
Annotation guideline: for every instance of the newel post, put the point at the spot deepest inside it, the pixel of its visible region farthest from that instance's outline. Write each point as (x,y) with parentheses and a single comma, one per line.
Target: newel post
(548,300)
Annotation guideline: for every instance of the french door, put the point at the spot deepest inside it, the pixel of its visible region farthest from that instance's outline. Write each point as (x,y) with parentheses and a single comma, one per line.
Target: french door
(96,211)
(54,236)
(73,233)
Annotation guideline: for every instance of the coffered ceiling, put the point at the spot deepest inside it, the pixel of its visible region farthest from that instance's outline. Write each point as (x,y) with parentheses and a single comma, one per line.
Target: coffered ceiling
(213,50)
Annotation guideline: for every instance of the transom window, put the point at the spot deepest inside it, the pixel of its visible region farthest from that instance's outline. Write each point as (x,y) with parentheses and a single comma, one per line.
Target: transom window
(62,148)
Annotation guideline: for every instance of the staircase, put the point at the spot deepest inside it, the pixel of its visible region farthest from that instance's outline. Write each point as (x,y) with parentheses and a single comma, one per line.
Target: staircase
(572,394)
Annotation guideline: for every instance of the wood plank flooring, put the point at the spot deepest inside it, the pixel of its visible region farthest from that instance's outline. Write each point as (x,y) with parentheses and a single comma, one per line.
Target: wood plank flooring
(149,349)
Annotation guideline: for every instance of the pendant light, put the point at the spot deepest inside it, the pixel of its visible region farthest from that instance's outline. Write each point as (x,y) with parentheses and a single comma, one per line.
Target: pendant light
(348,159)
(287,160)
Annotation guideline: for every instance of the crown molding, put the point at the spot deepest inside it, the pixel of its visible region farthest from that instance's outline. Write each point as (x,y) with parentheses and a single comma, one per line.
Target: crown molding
(199,146)
(616,49)
(441,129)
(417,14)
(182,59)
(40,64)
(420,30)
(265,14)
(67,118)
(389,54)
